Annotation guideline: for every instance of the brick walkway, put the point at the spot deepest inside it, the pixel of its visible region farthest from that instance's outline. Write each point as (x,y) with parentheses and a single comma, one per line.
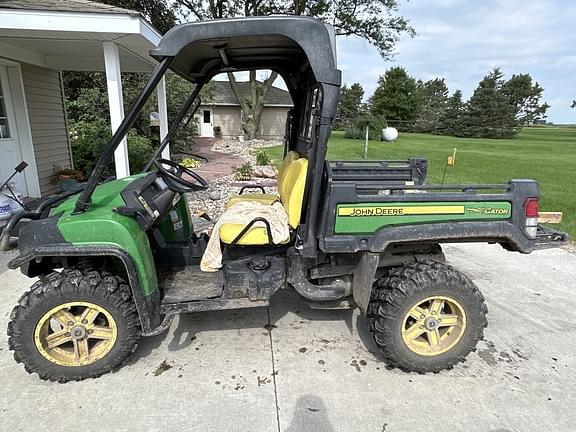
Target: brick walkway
(218,165)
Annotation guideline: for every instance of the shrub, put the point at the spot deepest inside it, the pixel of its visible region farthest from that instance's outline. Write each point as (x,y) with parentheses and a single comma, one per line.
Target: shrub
(88,138)
(243,172)
(352,132)
(263,158)
(190,163)
(357,130)
(140,151)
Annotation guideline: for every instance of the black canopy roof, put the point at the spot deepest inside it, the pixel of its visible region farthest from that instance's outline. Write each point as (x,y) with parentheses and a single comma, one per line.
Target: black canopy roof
(288,44)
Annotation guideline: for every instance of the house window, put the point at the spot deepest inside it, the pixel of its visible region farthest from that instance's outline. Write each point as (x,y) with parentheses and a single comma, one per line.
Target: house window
(4,128)
(206,116)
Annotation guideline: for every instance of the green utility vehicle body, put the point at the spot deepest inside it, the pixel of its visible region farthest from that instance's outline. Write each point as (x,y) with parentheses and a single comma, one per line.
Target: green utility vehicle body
(103,228)
(118,259)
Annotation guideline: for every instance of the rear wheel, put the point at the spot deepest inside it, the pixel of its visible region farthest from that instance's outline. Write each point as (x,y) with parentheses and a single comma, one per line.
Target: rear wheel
(426,317)
(74,325)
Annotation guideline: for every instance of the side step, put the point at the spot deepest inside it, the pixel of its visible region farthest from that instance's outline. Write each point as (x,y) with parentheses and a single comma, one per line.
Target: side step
(210,305)
(191,284)
(192,290)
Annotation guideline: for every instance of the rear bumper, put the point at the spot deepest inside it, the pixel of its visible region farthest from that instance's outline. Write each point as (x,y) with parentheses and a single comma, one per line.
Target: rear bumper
(547,238)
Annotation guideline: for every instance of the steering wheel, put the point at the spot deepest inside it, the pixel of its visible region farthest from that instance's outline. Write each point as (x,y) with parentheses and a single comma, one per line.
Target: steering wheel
(174,179)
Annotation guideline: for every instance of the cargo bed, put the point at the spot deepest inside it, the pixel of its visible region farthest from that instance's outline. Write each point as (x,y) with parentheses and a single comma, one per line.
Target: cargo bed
(392,205)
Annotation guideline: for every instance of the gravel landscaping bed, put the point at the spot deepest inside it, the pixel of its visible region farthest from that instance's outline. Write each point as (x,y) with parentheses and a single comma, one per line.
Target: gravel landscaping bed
(213,200)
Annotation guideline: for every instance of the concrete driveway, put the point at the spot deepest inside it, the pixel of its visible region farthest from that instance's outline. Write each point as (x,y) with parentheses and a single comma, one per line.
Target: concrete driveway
(289,368)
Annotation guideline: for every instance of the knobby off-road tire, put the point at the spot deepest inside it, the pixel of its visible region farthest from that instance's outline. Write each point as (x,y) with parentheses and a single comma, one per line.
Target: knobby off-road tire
(403,304)
(105,329)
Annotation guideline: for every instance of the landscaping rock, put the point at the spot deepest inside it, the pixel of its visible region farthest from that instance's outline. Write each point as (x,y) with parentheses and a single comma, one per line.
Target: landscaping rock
(213,200)
(243,149)
(265,171)
(215,195)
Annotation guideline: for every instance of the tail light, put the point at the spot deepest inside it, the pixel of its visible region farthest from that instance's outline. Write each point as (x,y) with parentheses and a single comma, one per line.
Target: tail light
(531,213)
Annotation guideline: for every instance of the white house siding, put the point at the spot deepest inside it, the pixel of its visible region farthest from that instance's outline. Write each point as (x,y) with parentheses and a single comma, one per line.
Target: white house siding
(272,122)
(47,116)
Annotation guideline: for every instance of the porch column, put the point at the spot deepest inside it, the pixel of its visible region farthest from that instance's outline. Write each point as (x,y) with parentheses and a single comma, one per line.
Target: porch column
(116,104)
(163,114)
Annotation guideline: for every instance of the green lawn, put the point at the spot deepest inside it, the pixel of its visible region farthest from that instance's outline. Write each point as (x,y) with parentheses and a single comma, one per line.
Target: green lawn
(546,154)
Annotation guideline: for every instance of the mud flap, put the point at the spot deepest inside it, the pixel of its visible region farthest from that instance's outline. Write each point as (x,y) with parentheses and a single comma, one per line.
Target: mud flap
(364,276)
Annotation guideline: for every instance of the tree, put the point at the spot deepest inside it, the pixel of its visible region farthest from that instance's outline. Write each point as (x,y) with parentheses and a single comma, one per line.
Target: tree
(396,98)
(158,12)
(525,98)
(433,96)
(451,119)
(252,104)
(376,21)
(489,113)
(86,95)
(350,105)
(373,20)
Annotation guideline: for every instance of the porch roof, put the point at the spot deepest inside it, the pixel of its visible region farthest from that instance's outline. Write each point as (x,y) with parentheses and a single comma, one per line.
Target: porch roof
(81,35)
(68,34)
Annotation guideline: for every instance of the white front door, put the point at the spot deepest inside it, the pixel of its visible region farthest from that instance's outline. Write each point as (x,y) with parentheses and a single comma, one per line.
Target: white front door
(10,153)
(206,128)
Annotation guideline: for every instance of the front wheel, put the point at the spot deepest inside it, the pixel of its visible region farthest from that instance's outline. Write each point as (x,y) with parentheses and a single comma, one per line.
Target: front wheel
(426,317)
(74,325)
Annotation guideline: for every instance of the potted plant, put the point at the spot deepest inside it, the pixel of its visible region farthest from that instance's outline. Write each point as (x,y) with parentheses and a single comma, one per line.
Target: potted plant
(68,179)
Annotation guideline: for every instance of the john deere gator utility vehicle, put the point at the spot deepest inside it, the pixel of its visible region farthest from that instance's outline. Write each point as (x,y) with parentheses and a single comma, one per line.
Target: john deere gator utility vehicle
(118,259)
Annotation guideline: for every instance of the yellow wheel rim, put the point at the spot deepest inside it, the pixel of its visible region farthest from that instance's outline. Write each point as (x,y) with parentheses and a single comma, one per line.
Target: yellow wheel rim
(75,334)
(434,325)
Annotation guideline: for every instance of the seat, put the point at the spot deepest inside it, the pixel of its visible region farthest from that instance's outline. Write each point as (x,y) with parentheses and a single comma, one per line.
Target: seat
(291,196)
(265,198)
(256,236)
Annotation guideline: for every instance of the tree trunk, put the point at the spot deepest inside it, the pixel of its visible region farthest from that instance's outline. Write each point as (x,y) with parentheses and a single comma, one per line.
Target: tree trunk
(252,104)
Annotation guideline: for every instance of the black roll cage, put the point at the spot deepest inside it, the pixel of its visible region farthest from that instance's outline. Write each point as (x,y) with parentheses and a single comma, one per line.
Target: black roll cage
(300,49)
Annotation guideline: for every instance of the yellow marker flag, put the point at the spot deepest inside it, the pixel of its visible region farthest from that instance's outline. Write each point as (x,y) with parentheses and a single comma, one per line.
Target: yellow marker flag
(452,159)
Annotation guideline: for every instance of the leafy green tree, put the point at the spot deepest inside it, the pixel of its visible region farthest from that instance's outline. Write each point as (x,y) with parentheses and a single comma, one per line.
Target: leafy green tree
(489,113)
(450,122)
(433,100)
(350,105)
(87,101)
(87,97)
(376,21)
(396,98)
(525,97)
(160,13)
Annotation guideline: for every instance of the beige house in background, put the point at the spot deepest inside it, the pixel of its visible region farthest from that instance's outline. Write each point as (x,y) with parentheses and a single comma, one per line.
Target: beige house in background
(224,112)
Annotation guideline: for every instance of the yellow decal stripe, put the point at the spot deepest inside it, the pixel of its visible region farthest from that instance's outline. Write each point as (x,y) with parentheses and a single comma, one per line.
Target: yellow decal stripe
(401,211)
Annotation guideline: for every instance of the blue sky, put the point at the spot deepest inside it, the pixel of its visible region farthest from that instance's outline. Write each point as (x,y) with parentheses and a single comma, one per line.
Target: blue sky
(462,40)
